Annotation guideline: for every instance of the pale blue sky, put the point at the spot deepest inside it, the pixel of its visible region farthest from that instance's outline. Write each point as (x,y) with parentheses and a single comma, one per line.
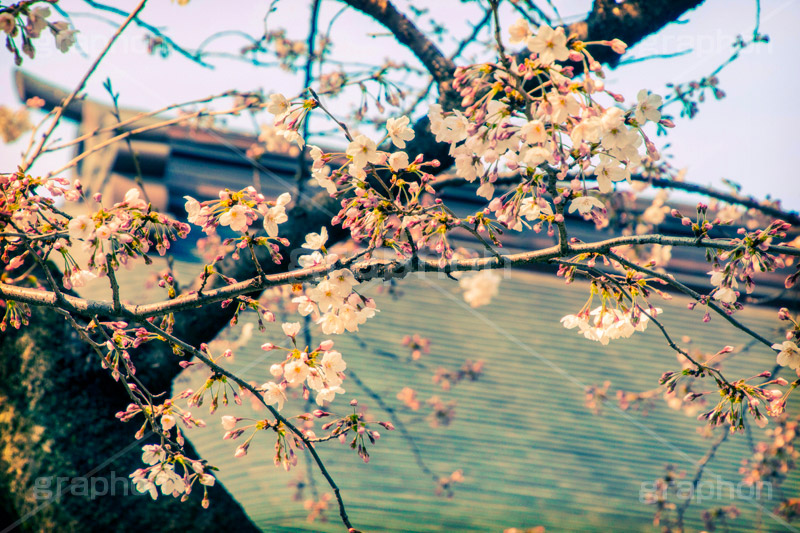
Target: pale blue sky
(745,137)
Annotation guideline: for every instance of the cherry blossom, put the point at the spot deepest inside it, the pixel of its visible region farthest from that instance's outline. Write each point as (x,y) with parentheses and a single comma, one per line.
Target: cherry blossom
(789,355)
(398,131)
(520,31)
(296,371)
(278,104)
(81,227)
(291,329)
(549,44)
(398,161)
(327,394)
(168,422)
(229,422)
(362,150)
(585,204)
(273,394)
(647,107)
(238,218)
(608,171)
(316,241)
(276,215)
(64,35)
(605,324)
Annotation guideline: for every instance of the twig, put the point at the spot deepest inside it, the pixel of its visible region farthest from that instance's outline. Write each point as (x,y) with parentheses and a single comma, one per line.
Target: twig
(243,384)
(698,475)
(397,424)
(694,294)
(28,161)
(155,31)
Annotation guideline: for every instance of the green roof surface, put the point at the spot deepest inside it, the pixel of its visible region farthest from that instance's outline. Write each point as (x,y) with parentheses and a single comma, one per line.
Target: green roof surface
(531,452)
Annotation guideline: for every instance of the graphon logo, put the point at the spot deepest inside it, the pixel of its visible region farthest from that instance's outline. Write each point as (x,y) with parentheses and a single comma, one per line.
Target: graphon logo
(54,488)
(707,489)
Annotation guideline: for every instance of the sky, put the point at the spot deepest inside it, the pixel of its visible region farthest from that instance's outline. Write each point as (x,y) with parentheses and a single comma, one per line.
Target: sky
(747,137)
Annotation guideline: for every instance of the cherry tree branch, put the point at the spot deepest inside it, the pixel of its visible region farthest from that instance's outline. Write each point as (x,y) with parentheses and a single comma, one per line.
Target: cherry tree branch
(630,21)
(386,269)
(255,392)
(694,294)
(660,183)
(59,112)
(744,201)
(384,12)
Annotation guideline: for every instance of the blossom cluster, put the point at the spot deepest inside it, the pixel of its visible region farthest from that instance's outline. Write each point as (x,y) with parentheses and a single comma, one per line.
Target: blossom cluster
(533,117)
(736,399)
(35,21)
(357,423)
(320,370)
(333,301)
(381,190)
(604,324)
(238,211)
(748,258)
(479,287)
(112,236)
(162,474)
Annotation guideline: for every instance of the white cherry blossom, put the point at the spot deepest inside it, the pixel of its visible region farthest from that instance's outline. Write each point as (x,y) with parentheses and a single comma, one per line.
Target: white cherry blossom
(295,371)
(81,227)
(363,150)
(647,107)
(316,241)
(398,131)
(585,204)
(789,355)
(328,394)
(238,217)
(273,394)
(549,44)
(519,31)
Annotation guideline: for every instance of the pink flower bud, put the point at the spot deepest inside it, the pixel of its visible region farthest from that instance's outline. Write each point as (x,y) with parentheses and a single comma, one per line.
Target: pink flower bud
(326,345)
(618,46)
(241,451)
